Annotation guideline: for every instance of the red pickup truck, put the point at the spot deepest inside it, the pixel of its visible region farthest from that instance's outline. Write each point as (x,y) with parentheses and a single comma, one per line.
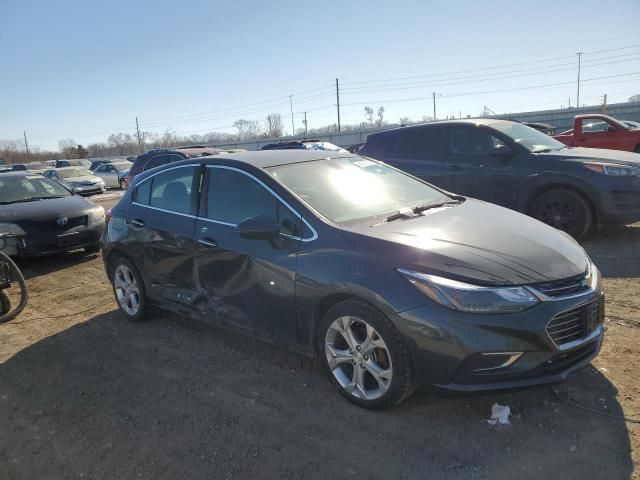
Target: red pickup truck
(601,131)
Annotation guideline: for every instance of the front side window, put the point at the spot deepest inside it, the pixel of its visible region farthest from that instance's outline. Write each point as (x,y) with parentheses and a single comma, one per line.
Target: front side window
(233,197)
(348,189)
(472,141)
(595,126)
(533,140)
(172,190)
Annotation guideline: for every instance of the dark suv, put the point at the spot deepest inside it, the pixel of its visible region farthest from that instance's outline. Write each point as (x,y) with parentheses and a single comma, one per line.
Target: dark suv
(154,158)
(518,167)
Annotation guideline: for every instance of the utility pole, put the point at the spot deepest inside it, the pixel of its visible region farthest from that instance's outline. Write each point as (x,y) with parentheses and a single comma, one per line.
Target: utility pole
(139,141)
(604,104)
(26,144)
(338,102)
(434,106)
(305,124)
(293,128)
(579,65)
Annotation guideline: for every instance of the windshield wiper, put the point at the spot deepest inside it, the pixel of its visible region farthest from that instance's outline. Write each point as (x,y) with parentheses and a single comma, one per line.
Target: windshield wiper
(401,213)
(429,206)
(22,200)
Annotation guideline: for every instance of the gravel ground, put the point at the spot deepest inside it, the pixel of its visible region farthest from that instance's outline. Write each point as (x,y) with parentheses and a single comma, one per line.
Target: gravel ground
(86,394)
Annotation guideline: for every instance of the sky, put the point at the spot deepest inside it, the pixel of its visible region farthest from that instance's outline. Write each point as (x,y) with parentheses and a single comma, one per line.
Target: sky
(86,69)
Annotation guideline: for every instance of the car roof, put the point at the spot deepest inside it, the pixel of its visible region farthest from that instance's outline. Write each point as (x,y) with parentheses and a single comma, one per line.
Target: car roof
(18,173)
(272,158)
(462,121)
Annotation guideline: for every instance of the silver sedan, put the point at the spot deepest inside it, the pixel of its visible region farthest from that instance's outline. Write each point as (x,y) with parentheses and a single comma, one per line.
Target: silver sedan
(113,174)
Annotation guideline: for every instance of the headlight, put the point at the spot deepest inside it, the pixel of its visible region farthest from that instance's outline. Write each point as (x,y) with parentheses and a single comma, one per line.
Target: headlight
(466,297)
(11,230)
(96,214)
(614,170)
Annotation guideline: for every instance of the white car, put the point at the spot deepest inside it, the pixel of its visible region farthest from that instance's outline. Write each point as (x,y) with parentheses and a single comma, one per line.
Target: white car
(78,180)
(113,174)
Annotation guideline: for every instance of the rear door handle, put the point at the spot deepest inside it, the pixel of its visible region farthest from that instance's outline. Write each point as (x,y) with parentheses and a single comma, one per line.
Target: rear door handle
(207,242)
(137,222)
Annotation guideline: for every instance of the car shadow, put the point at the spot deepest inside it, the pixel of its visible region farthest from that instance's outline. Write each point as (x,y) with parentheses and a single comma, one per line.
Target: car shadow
(32,267)
(616,251)
(177,398)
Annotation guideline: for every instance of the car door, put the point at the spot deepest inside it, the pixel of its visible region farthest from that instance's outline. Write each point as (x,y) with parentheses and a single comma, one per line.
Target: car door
(416,150)
(161,222)
(248,283)
(599,133)
(472,169)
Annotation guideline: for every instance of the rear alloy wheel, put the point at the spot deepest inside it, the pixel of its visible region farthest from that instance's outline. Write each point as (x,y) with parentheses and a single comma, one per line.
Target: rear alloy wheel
(365,356)
(129,290)
(565,210)
(124,184)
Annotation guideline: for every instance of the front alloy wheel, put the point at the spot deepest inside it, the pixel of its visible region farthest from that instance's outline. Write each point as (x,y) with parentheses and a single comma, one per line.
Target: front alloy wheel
(365,355)
(358,358)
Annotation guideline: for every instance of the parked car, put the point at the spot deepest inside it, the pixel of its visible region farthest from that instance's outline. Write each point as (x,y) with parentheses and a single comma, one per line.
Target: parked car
(96,163)
(304,145)
(193,151)
(39,216)
(82,162)
(631,124)
(78,180)
(31,166)
(153,158)
(601,131)
(510,164)
(114,174)
(391,281)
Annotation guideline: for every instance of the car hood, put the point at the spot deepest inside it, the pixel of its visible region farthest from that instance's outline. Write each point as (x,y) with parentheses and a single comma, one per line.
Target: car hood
(71,206)
(581,154)
(83,178)
(475,242)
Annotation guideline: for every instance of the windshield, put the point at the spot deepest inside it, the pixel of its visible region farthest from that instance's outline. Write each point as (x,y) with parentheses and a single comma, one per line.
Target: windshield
(348,189)
(30,187)
(330,147)
(72,172)
(533,140)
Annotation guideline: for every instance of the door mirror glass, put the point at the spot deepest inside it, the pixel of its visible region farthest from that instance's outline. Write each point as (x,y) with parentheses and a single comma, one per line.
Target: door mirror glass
(502,150)
(261,227)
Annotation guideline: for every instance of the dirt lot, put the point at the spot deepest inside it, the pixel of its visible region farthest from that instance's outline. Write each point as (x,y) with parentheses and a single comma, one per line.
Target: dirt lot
(85,394)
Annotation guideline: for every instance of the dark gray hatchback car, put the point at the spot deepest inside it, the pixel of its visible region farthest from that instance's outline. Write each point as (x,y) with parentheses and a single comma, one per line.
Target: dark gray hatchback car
(392,282)
(518,167)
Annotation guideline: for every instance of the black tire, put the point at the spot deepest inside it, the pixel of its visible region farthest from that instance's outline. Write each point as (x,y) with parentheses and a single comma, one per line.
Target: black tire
(5,303)
(92,249)
(402,383)
(124,184)
(565,210)
(141,314)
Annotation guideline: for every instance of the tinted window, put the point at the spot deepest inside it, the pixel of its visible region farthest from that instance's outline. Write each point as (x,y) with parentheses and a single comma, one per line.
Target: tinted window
(172,190)
(142,193)
(162,160)
(472,141)
(234,197)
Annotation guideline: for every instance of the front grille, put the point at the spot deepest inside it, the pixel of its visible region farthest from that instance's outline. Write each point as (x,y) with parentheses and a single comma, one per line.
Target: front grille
(576,324)
(567,286)
(51,225)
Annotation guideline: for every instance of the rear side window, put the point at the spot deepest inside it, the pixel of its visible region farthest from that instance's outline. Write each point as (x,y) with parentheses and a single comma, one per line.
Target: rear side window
(418,143)
(233,197)
(172,190)
(162,160)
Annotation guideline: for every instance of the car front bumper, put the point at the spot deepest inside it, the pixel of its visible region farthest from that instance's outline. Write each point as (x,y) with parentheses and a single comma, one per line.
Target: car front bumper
(47,243)
(89,189)
(475,352)
(620,200)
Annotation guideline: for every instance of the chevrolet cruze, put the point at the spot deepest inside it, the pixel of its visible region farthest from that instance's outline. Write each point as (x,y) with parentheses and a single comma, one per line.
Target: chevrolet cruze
(393,282)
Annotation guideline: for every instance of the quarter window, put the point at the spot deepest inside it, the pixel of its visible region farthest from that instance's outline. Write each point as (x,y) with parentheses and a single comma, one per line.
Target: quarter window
(233,197)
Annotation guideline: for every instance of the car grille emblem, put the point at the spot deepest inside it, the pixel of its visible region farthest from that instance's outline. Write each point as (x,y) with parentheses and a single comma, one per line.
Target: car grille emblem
(62,221)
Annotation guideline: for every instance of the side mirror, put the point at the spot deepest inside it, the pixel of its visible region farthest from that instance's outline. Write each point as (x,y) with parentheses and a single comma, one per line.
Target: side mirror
(502,150)
(262,227)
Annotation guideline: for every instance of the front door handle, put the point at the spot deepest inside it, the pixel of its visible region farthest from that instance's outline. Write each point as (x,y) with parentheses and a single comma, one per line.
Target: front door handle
(207,242)
(137,222)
